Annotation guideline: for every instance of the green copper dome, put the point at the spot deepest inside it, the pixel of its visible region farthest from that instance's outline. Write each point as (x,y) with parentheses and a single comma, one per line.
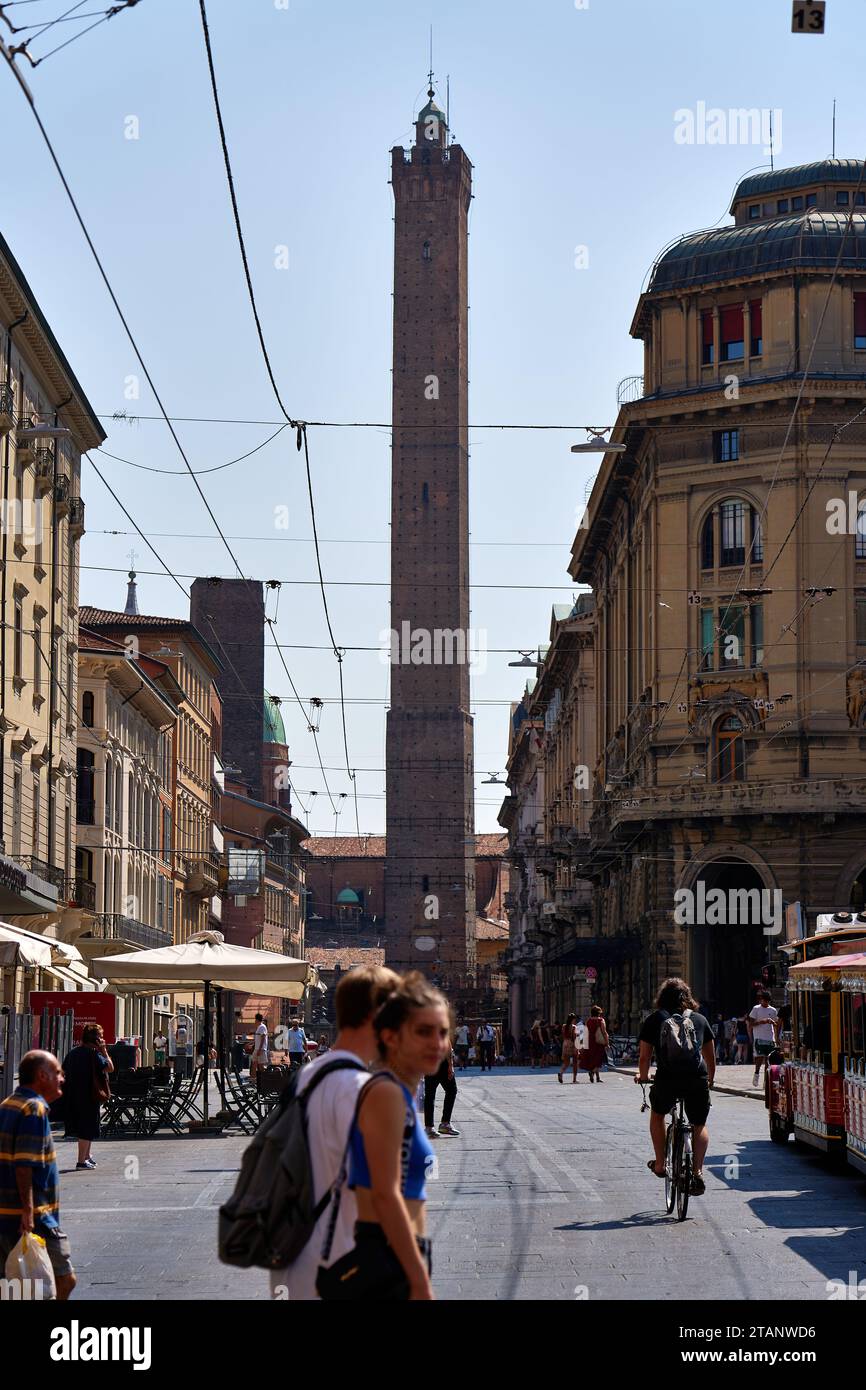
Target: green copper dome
(348,895)
(274,730)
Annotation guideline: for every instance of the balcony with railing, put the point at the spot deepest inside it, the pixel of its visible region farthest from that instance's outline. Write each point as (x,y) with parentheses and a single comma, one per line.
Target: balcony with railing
(629,390)
(43,471)
(7,409)
(80,892)
(127,931)
(202,874)
(76,516)
(43,870)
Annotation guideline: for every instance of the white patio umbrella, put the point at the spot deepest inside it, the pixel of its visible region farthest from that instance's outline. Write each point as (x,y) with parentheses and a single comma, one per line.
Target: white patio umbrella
(205,960)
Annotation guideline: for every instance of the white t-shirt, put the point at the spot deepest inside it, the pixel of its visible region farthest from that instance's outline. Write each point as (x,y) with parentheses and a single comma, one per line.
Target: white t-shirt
(762,1023)
(486,1033)
(461,1037)
(261,1044)
(329,1117)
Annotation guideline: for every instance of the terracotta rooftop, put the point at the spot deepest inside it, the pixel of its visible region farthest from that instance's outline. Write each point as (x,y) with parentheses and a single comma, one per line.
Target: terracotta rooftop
(329,957)
(104,617)
(373,846)
(486,929)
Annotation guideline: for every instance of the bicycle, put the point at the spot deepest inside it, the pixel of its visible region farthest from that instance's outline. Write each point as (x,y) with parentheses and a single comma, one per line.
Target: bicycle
(679,1158)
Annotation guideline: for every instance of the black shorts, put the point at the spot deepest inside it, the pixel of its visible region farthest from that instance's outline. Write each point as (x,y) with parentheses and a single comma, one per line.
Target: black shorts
(695,1093)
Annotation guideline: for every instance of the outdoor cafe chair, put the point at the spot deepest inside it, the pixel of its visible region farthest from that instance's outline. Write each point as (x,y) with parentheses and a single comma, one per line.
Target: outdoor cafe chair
(242,1098)
(126,1108)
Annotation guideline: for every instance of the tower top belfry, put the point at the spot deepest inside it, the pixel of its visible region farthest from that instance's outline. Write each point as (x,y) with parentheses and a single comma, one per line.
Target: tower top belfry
(431,124)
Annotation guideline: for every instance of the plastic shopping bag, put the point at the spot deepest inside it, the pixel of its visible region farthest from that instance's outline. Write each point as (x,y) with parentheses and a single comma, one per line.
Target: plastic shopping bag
(29,1274)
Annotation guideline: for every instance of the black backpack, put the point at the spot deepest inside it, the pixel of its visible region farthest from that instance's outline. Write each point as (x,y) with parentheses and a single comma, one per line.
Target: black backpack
(271,1214)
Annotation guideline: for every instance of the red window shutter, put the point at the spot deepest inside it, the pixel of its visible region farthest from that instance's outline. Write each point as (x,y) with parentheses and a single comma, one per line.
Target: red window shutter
(860,315)
(707,326)
(732,324)
(755,316)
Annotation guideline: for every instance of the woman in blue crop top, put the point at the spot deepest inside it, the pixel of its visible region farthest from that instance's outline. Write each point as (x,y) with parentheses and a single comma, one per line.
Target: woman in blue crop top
(390,1155)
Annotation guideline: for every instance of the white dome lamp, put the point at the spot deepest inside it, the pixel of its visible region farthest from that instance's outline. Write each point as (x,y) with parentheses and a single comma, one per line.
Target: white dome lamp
(597,444)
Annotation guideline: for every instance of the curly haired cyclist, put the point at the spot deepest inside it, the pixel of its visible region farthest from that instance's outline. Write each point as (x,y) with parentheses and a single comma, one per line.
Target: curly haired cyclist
(684,1046)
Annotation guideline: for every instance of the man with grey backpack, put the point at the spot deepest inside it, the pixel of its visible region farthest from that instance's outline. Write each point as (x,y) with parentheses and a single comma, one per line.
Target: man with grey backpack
(685,1053)
(277,1216)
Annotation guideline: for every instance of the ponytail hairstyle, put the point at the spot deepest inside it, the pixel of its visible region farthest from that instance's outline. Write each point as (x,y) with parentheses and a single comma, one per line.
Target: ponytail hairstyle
(413,992)
(674,996)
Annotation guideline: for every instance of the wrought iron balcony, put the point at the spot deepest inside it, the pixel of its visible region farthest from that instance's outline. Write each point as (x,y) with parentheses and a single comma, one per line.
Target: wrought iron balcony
(61,495)
(43,471)
(43,870)
(80,892)
(7,408)
(113,926)
(76,516)
(629,389)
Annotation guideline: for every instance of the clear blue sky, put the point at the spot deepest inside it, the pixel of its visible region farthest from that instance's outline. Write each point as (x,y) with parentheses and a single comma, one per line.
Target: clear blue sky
(568,118)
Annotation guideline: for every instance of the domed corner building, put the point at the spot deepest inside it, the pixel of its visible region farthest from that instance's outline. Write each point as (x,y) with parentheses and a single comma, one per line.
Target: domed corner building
(730,589)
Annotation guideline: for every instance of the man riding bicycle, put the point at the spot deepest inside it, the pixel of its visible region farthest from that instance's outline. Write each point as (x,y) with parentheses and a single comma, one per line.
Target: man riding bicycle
(684,1047)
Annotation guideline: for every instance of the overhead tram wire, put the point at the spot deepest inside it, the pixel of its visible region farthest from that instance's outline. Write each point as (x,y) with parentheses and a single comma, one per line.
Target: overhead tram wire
(186,595)
(299,426)
(140,360)
(119,311)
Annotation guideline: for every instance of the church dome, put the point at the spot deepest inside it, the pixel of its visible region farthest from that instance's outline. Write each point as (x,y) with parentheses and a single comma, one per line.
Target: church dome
(348,896)
(274,729)
(810,240)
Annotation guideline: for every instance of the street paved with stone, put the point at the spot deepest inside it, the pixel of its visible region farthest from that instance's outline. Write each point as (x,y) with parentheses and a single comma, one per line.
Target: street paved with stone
(545,1195)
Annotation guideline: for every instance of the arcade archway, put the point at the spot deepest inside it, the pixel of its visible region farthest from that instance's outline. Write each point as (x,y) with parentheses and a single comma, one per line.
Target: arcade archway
(725,956)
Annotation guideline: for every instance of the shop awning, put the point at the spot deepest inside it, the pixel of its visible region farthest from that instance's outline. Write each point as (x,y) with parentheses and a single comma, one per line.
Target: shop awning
(19,948)
(600,951)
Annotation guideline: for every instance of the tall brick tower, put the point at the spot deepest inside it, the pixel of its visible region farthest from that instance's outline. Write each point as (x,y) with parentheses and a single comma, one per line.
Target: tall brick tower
(430,861)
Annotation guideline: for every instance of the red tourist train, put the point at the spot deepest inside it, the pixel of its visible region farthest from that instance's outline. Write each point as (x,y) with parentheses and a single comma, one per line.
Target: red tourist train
(817,1092)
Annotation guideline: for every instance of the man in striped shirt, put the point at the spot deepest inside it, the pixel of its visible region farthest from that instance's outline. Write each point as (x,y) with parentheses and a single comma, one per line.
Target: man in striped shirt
(29,1184)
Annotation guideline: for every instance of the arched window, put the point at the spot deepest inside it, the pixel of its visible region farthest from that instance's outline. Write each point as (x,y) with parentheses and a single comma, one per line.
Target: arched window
(729,757)
(731,535)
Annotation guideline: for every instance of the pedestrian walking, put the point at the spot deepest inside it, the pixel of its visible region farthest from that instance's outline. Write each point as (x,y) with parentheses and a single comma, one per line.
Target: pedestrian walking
(29,1181)
(297,1040)
(444,1077)
(461,1044)
(763,1023)
(86,1088)
(594,1055)
(485,1041)
(261,1047)
(742,1040)
(323,1045)
(731,1040)
(569,1049)
(160,1044)
(536,1034)
(390,1155)
(239,1056)
(721,1045)
(330,1109)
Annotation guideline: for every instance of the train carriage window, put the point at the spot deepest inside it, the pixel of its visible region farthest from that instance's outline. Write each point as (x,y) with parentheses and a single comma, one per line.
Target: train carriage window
(852,1025)
(816,1032)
